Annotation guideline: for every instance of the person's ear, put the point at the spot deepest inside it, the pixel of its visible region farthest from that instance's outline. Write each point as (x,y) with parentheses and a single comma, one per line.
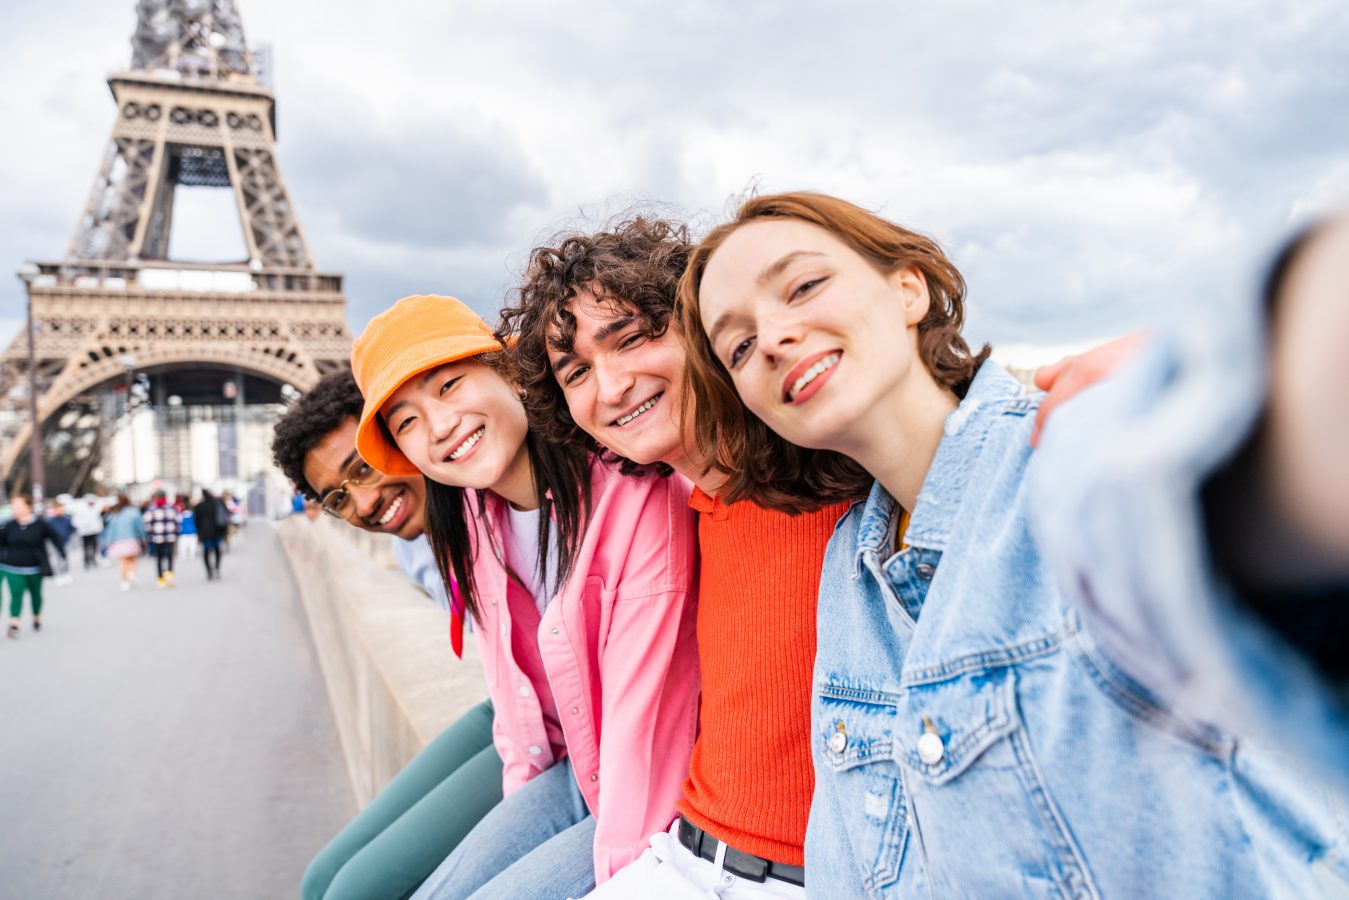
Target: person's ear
(911,287)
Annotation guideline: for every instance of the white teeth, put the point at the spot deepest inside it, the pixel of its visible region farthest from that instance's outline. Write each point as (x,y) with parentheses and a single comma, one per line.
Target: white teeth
(468,444)
(392,511)
(814,372)
(623,420)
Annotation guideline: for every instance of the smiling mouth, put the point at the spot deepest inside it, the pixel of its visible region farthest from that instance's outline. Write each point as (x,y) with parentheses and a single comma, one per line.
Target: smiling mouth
(392,511)
(466,444)
(809,375)
(628,417)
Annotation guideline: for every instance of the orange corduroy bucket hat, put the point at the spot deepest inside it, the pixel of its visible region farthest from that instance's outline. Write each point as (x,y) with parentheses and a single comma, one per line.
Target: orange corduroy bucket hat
(415,334)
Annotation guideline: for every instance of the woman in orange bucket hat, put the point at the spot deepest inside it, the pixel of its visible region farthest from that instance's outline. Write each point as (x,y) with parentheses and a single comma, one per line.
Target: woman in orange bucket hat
(580,584)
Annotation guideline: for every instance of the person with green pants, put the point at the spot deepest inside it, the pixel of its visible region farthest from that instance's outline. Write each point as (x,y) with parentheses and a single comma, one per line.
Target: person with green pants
(414,822)
(23,559)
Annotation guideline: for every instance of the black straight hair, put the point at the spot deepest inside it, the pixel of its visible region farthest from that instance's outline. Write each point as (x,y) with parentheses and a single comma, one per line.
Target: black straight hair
(561,474)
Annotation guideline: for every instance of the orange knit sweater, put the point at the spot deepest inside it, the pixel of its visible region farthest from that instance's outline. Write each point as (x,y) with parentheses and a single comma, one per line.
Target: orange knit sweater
(750,776)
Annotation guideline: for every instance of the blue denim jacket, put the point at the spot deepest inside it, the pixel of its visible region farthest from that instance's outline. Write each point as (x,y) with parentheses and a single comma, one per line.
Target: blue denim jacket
(1118,512)
(971,739)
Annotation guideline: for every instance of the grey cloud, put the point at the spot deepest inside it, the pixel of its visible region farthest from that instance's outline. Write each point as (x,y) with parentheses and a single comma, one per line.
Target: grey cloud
(1225,113)
(424,186)
(372,288)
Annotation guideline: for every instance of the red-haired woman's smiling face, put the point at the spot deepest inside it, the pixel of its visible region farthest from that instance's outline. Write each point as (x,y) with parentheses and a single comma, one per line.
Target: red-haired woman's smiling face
(811,332)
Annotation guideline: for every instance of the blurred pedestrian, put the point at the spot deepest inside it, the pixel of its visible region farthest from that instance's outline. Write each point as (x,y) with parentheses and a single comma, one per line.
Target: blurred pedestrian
(124,537)
(88,524)
(59,519)
(187,527)
(161,524)
(23,559)
(212,520)
(234,517)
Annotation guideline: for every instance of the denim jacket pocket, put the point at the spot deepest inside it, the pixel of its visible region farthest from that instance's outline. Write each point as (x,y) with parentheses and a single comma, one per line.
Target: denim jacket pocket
(976,781)
(855,740)
(947,729)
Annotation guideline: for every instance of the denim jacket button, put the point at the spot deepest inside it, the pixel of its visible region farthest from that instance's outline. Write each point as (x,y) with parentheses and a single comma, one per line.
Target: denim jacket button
(930,749)
(838,741)
(535,750)
(524,690)
(924,571)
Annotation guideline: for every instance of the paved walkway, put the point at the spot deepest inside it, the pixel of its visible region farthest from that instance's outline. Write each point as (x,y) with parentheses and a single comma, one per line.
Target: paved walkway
(167,743)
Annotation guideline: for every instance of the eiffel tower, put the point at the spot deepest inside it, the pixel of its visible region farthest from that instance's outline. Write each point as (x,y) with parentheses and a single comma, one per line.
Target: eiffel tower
(193,112)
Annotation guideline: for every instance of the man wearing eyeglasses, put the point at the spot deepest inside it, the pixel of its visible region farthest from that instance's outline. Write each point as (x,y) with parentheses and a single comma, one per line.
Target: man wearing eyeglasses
(414,823)
(315,446)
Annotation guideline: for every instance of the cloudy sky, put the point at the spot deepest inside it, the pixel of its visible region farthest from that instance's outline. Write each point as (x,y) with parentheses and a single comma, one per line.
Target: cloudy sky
(1088,165)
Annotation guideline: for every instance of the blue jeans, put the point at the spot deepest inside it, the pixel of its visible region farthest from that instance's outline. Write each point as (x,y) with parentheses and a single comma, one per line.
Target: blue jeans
(536,844)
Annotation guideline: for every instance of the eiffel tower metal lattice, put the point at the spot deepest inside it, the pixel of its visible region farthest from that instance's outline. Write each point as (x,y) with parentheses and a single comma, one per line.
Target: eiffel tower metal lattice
(190,112)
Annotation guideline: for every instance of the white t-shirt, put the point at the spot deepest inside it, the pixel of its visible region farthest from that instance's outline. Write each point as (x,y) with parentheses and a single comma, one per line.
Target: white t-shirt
(522,554)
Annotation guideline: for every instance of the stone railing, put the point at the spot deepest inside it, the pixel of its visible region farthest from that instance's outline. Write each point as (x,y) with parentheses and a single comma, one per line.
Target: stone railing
(383,648)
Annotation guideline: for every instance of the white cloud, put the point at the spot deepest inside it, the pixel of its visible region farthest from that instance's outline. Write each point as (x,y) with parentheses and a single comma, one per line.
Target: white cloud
(1088,164)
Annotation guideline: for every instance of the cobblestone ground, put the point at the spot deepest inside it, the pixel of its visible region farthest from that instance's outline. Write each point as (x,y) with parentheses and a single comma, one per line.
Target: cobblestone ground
(168,743)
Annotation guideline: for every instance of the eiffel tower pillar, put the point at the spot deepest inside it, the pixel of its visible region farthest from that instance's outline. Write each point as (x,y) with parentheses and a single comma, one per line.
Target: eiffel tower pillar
(190,112)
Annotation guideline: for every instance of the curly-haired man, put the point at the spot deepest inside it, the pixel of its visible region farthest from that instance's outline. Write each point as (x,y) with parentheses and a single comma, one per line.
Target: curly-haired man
(600,358)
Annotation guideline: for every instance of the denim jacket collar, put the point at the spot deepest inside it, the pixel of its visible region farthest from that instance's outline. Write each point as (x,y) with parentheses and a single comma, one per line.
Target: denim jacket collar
(992,391)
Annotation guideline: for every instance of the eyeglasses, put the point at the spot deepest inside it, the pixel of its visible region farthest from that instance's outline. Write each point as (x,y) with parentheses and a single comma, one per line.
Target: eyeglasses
(338,502)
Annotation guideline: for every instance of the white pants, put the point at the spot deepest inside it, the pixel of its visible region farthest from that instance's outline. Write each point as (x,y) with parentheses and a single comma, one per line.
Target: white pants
(187,546)
(668,871)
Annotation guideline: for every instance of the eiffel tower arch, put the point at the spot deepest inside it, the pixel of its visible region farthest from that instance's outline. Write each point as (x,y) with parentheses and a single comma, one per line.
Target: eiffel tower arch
(191,112)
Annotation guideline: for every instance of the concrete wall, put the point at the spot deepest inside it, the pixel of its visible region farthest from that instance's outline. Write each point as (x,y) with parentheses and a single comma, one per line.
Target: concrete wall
(383,646)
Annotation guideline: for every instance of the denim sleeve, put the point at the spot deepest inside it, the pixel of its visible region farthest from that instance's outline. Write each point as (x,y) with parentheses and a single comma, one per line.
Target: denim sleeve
(1116,509)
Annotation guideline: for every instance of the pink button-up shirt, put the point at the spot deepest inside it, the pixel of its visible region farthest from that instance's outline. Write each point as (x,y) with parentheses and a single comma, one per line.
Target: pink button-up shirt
(609,674)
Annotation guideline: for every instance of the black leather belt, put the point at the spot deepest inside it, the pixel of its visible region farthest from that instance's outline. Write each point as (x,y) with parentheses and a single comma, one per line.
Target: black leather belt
(737,862)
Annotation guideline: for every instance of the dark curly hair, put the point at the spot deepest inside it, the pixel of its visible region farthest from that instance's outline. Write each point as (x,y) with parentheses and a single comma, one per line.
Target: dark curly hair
(314,416)
(636,264)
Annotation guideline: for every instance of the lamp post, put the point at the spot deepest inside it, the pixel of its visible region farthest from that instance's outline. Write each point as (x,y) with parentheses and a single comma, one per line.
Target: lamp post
(129,364)
(38,473)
